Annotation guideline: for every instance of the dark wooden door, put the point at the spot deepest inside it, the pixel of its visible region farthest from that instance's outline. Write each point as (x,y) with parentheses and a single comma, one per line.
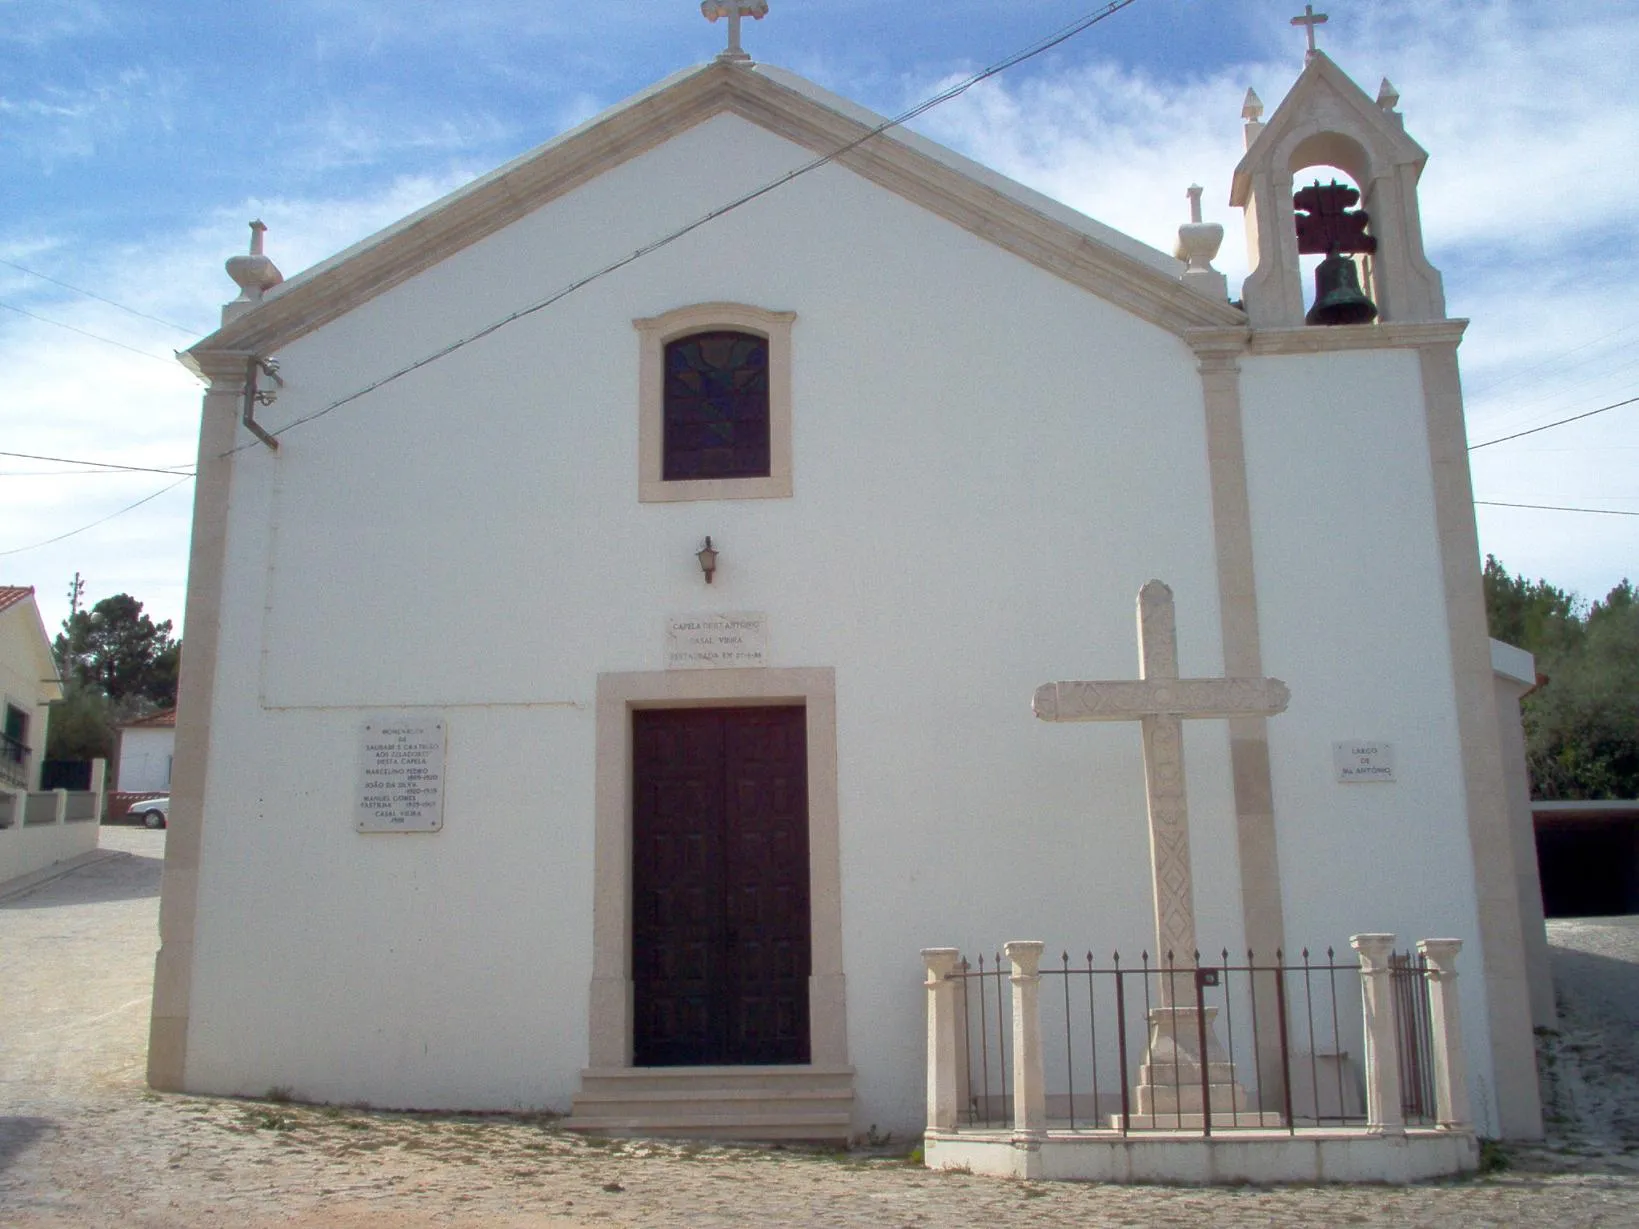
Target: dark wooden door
(720,926)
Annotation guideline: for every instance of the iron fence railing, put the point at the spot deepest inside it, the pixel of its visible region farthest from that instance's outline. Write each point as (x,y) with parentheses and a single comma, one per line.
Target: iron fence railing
(1214,1045)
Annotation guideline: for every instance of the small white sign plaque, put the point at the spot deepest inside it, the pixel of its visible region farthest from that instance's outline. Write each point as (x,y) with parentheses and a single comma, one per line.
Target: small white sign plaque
(716,641)
(401,775)
(1361,761)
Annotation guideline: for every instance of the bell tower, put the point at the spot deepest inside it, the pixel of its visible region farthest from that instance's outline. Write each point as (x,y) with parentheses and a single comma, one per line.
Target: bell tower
(1328,121)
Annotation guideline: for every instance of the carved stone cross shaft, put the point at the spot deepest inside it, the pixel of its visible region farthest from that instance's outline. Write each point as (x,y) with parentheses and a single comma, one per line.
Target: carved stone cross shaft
(1160,701)
(734,10)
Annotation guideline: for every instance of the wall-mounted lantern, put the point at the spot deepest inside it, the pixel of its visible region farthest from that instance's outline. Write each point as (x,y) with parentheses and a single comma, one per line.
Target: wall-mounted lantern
(708,559)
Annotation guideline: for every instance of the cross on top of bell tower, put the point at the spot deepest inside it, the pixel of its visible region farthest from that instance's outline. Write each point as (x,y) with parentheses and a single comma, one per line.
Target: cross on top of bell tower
(1311,19)
(734,10)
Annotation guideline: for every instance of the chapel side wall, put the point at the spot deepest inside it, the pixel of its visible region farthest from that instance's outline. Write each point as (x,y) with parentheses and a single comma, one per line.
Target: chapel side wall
(469,541)
(1354,620)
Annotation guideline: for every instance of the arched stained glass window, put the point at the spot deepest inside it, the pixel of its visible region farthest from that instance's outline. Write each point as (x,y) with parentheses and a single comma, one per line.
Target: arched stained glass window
(715,406)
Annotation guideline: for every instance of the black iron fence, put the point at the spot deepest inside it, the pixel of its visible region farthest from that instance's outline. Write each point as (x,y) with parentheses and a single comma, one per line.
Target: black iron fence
(1214,1045)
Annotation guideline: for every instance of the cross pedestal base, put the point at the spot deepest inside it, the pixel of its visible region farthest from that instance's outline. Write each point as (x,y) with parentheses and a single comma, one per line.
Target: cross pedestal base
(1169,1080)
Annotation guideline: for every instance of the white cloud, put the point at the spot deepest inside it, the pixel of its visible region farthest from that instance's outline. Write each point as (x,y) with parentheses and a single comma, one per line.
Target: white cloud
(67,395)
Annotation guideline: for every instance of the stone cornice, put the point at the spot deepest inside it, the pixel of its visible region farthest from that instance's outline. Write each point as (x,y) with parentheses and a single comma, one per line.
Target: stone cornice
(1221,345)
(223,371)
(309,302)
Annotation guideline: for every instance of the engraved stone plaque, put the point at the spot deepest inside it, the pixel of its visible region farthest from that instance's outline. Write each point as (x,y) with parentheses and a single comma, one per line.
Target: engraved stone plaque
(401,775)
(1363,761)
(716,641)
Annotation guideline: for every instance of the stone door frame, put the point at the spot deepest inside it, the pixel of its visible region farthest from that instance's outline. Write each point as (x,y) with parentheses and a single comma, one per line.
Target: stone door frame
(618,695)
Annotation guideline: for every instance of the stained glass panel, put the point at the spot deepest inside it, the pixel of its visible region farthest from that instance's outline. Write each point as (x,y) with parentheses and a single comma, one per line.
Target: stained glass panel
(716,406)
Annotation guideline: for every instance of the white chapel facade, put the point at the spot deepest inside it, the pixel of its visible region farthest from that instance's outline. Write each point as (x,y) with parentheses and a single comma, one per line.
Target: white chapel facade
(687,627)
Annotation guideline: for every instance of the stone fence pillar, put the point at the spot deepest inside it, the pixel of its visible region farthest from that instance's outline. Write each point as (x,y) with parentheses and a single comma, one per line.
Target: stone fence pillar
(1450,1068)
(1385,1114)
(1029,1076)
(942,1099)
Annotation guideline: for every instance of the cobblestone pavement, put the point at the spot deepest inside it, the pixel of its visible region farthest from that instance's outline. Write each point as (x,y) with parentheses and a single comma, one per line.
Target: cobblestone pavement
(83,1143)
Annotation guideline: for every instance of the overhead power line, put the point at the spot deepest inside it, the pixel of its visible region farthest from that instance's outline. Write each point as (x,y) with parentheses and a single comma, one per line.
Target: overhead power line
(91,294)
(955,91)
(18,550)
(135,469)
(1503,439)
(1497,503)
(84,333)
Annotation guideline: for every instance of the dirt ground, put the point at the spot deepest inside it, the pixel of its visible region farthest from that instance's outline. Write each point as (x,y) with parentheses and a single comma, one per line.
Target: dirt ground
(84,1143)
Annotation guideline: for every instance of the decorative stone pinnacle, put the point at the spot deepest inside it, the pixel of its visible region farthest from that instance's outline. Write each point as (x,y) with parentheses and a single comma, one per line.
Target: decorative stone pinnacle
(1198,243)
(1387,96)
(253,273)
(734,10)
(1252,107)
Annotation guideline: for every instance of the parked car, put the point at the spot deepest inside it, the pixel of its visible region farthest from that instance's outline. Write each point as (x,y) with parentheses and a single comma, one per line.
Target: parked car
(153,812)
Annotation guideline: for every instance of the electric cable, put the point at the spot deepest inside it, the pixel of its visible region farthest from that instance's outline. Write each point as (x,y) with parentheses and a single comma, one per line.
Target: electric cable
(91,294)
(1503,439)
(135,469)
(1497,503)
(169,362)
(18,550)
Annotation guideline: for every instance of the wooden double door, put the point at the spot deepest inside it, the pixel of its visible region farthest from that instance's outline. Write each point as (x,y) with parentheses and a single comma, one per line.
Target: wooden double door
(720,901)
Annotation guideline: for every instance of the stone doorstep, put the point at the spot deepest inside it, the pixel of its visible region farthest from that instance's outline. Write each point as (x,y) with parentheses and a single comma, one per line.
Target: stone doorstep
(744,1103)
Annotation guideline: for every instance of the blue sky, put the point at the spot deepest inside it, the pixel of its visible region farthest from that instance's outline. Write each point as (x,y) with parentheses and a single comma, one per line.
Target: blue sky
(137,139)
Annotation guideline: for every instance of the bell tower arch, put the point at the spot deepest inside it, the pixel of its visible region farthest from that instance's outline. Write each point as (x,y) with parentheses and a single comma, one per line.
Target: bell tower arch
(1328,121)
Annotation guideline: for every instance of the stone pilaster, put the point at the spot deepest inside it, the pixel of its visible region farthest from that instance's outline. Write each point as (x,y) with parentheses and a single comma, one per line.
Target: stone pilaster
(942,1098)
(1029,1075)
(1450,1067)
(1384,1112)
(179,893)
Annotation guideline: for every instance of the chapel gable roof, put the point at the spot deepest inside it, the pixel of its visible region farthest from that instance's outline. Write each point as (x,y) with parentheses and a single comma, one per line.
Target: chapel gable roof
(1045,232)
(1325,101)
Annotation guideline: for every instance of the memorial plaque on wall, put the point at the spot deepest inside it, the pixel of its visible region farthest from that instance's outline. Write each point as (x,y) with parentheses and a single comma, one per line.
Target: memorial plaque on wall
(716,641)
(401,775)
(1362,761)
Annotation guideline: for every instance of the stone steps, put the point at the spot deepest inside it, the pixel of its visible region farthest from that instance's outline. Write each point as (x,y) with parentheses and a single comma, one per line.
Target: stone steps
(744,1103)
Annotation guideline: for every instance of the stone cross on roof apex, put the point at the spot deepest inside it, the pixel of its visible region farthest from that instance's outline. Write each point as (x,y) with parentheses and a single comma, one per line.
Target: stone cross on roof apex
(734,10)
(1311,19)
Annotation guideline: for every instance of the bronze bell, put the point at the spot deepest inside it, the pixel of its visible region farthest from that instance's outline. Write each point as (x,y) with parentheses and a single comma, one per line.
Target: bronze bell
(1338,297)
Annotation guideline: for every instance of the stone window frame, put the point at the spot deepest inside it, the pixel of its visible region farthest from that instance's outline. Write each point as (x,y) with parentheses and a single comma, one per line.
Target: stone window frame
(653,335)
(610,1004)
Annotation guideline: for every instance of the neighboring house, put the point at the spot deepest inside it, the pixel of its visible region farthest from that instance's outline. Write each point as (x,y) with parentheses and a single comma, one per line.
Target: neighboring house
(748,560)
(146,747)
(28,684)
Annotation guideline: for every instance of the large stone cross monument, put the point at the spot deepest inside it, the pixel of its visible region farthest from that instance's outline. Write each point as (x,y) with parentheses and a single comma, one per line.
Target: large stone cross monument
(1160,701)
(1169,1091)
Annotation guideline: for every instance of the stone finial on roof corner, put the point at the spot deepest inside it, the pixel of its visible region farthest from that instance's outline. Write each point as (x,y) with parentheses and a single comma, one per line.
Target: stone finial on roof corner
(253,273)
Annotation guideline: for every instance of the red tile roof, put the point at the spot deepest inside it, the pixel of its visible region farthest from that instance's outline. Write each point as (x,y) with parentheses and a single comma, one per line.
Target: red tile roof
(165,719)
(10,595)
